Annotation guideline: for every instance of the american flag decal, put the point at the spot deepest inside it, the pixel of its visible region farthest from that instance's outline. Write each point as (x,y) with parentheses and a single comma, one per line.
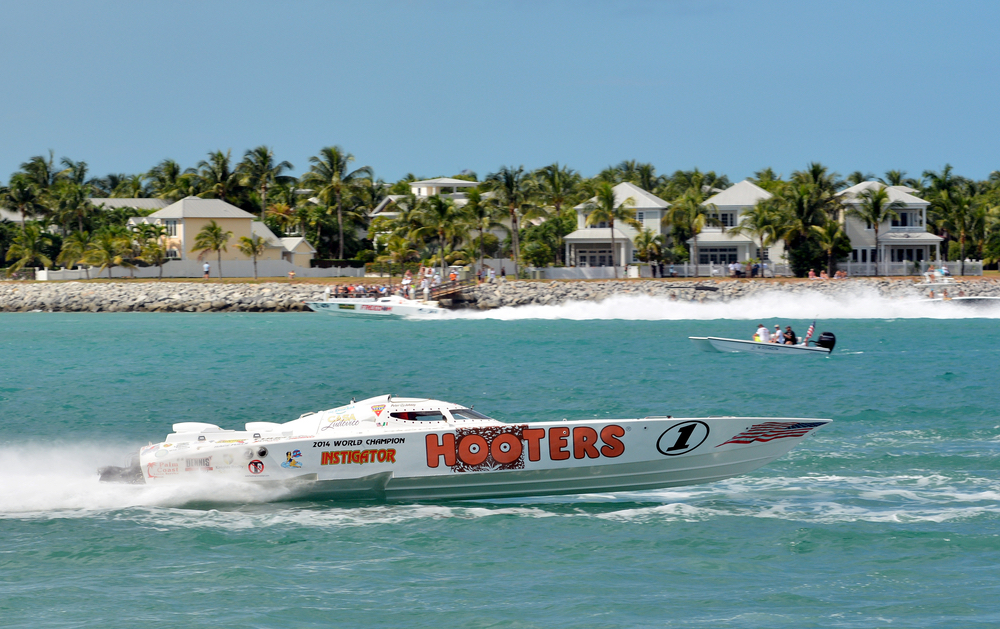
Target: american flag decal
(773,430)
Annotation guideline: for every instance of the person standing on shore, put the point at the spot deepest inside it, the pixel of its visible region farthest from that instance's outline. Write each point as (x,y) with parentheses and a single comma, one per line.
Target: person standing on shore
(206,268)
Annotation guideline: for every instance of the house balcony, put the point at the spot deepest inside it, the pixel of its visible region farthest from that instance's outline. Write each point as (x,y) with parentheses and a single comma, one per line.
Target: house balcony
(912,229)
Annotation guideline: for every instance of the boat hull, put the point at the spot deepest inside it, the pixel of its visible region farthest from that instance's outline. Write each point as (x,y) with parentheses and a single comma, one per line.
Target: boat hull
(716,344)
(377,307)
(485,460)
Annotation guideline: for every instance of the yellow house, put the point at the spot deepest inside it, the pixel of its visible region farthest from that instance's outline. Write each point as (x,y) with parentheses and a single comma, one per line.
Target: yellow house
(185,218)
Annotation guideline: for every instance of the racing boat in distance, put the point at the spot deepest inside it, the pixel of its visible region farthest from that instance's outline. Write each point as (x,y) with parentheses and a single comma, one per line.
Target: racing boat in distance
(824,345)
(395,448)
(388,306)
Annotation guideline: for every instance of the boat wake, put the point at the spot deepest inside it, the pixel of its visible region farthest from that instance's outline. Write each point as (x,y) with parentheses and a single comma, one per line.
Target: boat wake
(34,491)
(861,305)
(32,486)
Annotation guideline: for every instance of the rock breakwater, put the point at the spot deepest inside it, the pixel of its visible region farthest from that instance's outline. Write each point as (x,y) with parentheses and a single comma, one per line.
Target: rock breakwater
(282,297)
(505,294)
(155,297)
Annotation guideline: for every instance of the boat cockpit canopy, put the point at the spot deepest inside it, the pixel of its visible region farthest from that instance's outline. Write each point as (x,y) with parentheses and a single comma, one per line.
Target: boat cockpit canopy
(438,416)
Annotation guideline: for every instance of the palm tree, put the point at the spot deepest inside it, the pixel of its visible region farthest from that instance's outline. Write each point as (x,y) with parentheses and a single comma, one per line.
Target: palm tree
(875,208)
(108,249)
(330,181)
(397,251)
(604,209)
(28,248)
(441,217)
(259,171)
(252,247)
(483,217)
(762,223)
(218,179)
(23,196)
(961,214)
(163,179)
(153,252)
(41,172)
(513,191)
(74,247)
(820,176)
(649,244)
(72,204)
(830,237)
(689,215)
(212,238)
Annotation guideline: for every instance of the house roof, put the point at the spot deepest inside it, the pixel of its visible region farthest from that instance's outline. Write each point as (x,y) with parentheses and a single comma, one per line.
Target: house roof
(743,194)
(895,193)
(292,242)
(193,207)
(643,200)
(446,182)
(596,234)
(138,204)
(257,228)
(909,238)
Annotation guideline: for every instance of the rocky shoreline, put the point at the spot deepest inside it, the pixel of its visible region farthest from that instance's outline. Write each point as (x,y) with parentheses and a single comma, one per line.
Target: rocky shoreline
(146,296)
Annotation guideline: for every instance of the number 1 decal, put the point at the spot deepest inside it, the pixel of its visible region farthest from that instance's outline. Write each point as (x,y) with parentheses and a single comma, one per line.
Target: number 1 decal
(682,438)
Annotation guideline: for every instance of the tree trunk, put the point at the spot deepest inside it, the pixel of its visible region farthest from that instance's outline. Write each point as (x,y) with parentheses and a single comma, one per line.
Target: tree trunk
(515,241)
(613,248)
(340,229)
(219,253)
(694,254)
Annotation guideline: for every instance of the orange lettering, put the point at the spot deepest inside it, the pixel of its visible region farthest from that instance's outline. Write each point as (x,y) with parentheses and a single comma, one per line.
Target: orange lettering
(436,450)
(614,447)
(557,444)
(584,443)
(473,449)
(381,456)
(390,455)
(513,451)
(534,437)
(326,458)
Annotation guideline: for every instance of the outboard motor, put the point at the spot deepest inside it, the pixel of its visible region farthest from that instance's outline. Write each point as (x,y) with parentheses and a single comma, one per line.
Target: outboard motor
(131,473)
(826,340)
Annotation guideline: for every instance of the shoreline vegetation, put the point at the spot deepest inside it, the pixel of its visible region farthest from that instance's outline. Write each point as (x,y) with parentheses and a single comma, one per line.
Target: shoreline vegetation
(58,214)
(284,296)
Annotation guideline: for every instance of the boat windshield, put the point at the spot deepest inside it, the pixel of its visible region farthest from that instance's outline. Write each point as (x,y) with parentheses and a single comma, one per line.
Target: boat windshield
(421,416)
(467,413)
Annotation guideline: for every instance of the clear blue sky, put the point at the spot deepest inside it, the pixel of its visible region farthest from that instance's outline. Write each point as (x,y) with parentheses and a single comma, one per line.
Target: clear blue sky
(433,88)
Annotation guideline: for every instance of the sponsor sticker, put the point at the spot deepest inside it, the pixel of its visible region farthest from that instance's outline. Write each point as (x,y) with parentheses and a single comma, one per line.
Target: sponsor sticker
(256,466)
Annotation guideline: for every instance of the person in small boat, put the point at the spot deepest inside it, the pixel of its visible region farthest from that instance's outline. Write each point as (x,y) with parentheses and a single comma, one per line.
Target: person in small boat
(776,336)
(789,335)
(763,335)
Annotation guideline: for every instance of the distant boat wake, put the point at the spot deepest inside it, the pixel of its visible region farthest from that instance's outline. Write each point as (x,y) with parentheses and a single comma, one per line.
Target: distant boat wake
(862,305)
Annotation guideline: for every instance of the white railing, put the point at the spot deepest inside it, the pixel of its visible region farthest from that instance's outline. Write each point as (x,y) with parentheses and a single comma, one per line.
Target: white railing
(897,269)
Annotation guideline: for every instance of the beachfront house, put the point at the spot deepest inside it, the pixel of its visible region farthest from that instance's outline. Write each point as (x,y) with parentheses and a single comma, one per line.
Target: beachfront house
(439,186)
(184,219)
(590,245)
(717,245)
(903,242)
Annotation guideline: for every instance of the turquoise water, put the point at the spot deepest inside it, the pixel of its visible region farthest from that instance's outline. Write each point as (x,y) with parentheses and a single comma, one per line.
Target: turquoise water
(889,517)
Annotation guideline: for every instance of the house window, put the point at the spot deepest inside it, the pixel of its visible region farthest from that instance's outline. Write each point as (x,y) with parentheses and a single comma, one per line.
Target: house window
(868,225)
(635,255)
(763,254)
(864,255)
(640,216)
(717,255)
(171,228)
(854,255)
(173,254)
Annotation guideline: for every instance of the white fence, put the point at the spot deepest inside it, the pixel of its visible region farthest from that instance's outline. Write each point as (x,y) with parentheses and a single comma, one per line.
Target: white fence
(194,268)
(857,269)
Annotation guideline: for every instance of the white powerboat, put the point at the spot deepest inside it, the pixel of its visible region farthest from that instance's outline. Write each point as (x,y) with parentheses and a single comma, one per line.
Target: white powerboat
(388,306)
(394,448)
(824,345)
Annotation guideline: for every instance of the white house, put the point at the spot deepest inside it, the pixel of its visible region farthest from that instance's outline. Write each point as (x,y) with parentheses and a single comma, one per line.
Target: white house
(717,244)
(902,239)
(590,245)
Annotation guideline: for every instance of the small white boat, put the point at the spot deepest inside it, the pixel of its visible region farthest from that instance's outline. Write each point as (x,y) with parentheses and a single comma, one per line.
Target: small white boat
(394,448)
(389,306)
(824,345)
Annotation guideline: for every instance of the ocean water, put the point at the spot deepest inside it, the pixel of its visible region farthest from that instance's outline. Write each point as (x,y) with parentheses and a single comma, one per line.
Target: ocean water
(889,517)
